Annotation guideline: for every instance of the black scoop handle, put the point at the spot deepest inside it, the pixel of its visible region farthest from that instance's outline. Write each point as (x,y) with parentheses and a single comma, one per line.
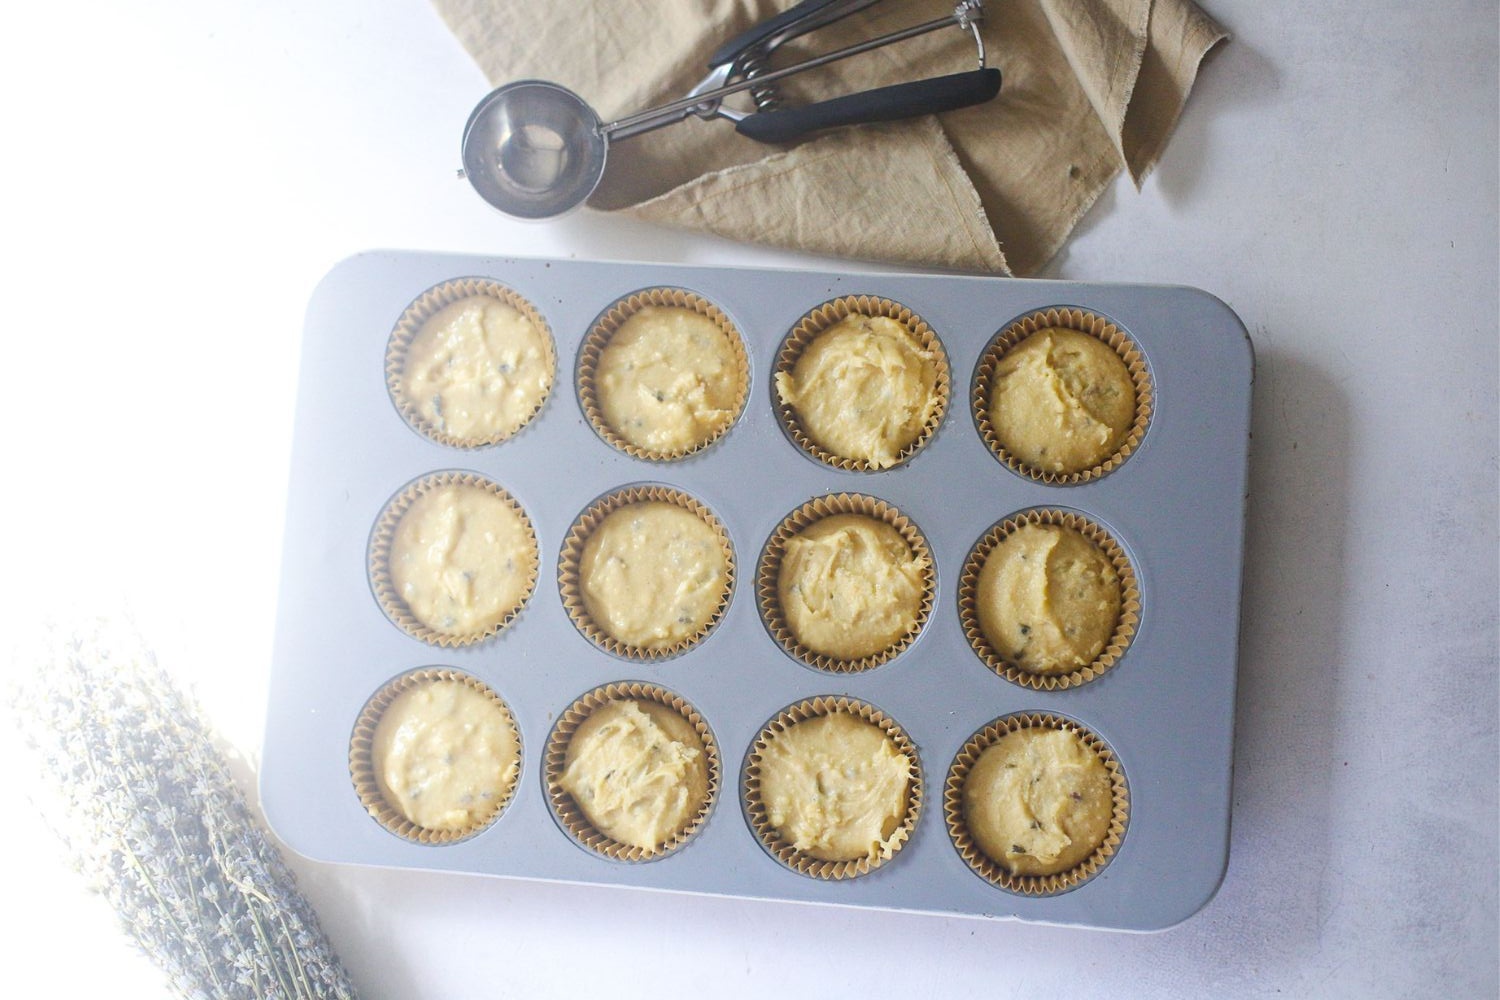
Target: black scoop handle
(884,104)
(753,36)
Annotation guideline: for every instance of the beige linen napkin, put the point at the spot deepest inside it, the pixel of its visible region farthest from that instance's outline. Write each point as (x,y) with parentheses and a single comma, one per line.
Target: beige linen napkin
(1089,86)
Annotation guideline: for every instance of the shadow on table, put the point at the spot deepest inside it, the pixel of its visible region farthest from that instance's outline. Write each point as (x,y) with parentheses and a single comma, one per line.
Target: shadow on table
(1233,77)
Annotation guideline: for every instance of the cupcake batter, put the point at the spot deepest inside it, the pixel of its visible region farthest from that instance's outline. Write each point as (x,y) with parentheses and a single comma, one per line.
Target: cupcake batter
(445,755)
(1048,599)
(850,586)
(1062,401)
(462,559)
(835,787)
(863,389)
(653,574)
(477,369)
(638,771)
(669,379)
(1038,801)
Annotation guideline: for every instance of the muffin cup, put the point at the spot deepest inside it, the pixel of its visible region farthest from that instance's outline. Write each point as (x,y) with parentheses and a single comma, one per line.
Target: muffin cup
(759,820)
(799,520)
(1125,625)
(826,315)
(423,308)
(362,764)
(996,873)
(573,819)
(383,538)
(609,324)
(379,559)
(571,585)
(1083,322)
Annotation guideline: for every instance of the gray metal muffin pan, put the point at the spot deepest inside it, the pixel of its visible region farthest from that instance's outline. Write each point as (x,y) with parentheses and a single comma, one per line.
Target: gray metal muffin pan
(1176,505)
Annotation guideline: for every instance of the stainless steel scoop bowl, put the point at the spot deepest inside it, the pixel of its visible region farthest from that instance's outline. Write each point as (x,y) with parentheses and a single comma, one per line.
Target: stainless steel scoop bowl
(534,149)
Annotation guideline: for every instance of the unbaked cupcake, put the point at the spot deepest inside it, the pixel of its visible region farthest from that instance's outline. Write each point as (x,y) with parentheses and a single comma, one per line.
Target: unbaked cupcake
(1048,599)
(1038,801)
(862,383)
(664,374)
(631,771)
(436,756)
(1062,396)
(470,363)
(846,582)
(453,558)
(1035,803)
(833,787)
(646,572)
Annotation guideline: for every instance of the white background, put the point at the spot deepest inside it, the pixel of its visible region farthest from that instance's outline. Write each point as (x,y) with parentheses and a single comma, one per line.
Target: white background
(177,177)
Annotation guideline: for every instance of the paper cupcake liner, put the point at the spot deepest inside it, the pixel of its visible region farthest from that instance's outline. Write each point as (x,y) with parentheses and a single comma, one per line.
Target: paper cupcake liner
(1084,322)
(568,813)
(799,520)
(996,873)
(826,315)
(770,838)
(604,330)
(571,586)
(362,764)
(1125,626)
(423,308)
(379,560)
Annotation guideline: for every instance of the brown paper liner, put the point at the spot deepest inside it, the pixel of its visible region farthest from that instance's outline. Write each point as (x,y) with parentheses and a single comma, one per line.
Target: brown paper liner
(604,330)
(380,559)
(571,586)
(362,764)
(996,873)
(1125,626)
(770,837)
(799,520)
(423,308)
(826,315)
(572,817)
(1084,322)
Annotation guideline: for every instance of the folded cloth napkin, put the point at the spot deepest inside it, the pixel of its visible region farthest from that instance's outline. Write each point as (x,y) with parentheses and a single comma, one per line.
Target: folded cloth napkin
(1089,86)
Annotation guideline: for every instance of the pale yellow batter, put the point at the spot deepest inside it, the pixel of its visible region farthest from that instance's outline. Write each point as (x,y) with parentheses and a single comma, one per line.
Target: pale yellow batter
(652,574)
(1062,401)
(850,586)
(835,787)
(1038,801)
(477,369)
(1048,599)
(638,771)
(462,559)
(445,755)
(863,389)
(669,379)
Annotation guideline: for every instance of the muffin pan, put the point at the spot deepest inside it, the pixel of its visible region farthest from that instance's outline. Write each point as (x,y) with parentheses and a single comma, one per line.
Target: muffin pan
(1164,708)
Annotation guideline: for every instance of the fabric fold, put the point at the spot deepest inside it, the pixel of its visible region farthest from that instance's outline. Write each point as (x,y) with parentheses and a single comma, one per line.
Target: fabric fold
(1104,42)
(815,198)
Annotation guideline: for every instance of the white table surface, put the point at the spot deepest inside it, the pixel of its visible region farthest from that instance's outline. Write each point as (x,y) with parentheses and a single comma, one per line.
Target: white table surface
(179,175)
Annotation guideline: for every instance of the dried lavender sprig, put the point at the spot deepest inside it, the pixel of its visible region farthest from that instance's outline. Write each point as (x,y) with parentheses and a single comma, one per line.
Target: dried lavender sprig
(146,805)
